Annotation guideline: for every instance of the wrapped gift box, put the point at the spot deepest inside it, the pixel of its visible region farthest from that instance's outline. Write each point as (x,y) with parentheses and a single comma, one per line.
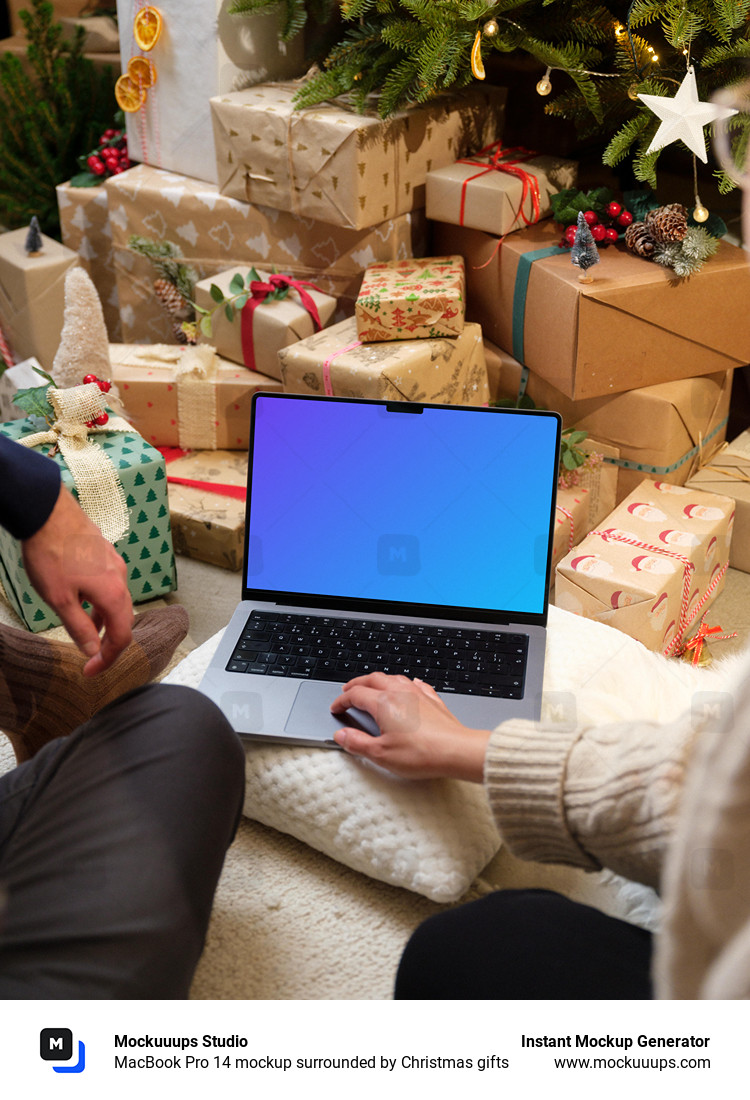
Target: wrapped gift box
(85,228)
(339,167)
(206,523)
(20,377)
(498,189)
(411,299)
(203,408)
(581,506)
(728,474)
(32,295)
(215,233)
(146,547)
(273,324)
(634,325)
(662,431)
(653,566)
(203,51)
(449,370)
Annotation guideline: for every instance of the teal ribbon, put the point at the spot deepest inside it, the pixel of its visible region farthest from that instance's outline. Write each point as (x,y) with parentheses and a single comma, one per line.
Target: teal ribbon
(627,464)
(519,294)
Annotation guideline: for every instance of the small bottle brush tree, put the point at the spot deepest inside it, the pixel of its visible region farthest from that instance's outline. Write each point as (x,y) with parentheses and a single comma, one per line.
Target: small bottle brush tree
(584,253)
(33,243)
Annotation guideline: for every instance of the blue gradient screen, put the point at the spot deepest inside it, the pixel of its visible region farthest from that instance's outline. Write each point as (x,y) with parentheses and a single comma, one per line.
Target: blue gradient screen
(449,506)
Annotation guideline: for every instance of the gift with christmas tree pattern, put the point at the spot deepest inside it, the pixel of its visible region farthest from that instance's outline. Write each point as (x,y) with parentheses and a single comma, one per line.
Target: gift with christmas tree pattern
(411,299)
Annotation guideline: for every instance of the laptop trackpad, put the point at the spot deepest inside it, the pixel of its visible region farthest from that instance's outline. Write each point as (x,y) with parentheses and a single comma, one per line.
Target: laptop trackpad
(311,714)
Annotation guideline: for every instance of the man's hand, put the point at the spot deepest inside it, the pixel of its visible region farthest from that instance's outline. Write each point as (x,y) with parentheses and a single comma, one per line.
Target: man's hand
(68,561)
(419,739)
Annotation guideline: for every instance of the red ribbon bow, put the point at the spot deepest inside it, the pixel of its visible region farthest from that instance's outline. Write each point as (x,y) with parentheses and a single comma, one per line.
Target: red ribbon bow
(698,640)
(500,161)
(258,293)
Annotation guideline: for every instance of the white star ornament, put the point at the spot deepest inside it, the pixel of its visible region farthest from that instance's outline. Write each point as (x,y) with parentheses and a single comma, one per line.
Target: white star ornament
(684,117)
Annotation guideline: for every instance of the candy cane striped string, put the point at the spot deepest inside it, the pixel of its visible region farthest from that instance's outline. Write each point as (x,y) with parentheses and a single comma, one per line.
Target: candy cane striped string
(565,512)
(688,569)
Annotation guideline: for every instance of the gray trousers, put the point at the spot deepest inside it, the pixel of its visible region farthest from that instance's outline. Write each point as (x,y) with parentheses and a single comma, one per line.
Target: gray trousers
(111,845)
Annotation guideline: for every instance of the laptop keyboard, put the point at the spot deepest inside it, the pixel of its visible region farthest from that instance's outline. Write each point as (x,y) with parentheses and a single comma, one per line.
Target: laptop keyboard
(316,647)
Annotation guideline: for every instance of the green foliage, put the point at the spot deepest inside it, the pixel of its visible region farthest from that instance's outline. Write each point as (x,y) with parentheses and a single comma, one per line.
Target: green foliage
(686,257)
(47,116)
(167,259)
(567,204)
(571,456)
(240,290)
(294,13)
(34,402)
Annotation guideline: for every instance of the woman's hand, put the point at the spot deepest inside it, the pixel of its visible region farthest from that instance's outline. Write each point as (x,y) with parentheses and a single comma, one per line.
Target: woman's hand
(419,737)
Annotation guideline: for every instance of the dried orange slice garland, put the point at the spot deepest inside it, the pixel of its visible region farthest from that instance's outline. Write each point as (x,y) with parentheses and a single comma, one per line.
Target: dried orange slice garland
(132,87)
(147,27)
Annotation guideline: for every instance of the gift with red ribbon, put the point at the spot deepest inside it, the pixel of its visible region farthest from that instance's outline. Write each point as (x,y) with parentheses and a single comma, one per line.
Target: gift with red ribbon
(272,311)
(499,189)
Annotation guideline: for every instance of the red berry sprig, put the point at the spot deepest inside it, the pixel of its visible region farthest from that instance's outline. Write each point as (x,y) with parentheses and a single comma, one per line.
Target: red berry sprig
(605,231)
(105,387)
(110,156)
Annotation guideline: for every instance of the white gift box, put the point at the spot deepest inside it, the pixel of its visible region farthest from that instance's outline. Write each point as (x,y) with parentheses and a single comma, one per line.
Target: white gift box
(202,51)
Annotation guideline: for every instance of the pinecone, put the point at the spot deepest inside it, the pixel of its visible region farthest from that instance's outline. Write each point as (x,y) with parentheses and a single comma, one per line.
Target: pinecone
(639,240)
(172,300)
(667,223)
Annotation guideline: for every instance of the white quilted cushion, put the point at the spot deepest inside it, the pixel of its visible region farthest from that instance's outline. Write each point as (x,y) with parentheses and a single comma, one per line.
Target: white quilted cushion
(430,836)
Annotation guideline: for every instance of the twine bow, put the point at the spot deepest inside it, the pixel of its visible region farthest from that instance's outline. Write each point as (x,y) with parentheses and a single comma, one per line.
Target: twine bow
(259,291)
(696,643)
(100,492)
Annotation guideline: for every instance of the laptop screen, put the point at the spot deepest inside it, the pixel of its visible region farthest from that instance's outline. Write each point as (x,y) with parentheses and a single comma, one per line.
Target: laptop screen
(401,504)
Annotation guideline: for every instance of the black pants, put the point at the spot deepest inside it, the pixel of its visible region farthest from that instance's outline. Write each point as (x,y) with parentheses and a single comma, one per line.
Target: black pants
(525,945)
(111,845)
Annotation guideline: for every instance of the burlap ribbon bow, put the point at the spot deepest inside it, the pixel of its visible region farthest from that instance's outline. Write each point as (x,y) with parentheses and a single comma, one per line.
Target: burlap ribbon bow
(100,492)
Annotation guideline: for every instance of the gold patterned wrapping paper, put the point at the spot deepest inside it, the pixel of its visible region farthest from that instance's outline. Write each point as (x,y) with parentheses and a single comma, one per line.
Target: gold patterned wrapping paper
(196,413)
(207,525)
(653,566)
(214,233)
(412,299)
(446,370)
(339,167)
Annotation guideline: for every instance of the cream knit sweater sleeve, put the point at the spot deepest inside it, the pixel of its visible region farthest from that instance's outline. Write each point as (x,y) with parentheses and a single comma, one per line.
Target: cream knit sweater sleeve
(592,797)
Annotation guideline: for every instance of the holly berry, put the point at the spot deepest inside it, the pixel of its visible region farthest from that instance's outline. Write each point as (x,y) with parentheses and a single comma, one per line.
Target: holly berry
(89,378)
(103,385)
(590,217)
(570,234)
(89,423)
(101,419)
(613,209)
(625,218)
(598,232)
(611,233)
(96,165)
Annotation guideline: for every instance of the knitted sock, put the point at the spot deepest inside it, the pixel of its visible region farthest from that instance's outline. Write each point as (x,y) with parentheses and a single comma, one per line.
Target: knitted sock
(44,694)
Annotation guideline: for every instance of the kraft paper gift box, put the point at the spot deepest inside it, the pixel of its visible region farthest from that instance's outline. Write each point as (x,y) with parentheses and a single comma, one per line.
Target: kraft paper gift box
(336,166)
(264,325)
(581,506)
(497,189)
(186,397)
(85,229)
(214,233)
(634,325)
(728,473)
(448,370)
(653,566)
(208,525)
(32,295)
(663,431)
(134,514)
(203,51)
(411,299)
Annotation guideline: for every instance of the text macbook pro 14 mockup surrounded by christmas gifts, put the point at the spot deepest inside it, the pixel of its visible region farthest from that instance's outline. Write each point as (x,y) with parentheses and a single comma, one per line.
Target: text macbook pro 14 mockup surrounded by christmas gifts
(391,536)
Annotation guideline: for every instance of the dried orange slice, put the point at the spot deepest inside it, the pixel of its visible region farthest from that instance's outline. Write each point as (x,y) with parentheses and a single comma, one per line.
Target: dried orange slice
(142,71)
(130,97)
(147,27)
(477,65)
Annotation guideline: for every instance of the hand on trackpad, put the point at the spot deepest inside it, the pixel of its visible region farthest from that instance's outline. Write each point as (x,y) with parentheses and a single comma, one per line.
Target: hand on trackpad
(311,714)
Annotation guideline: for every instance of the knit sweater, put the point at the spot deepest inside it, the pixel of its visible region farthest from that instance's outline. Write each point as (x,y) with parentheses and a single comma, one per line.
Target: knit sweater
(666,805)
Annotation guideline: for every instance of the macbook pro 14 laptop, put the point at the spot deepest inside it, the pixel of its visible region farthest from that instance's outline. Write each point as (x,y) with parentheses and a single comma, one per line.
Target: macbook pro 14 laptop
(390,536)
